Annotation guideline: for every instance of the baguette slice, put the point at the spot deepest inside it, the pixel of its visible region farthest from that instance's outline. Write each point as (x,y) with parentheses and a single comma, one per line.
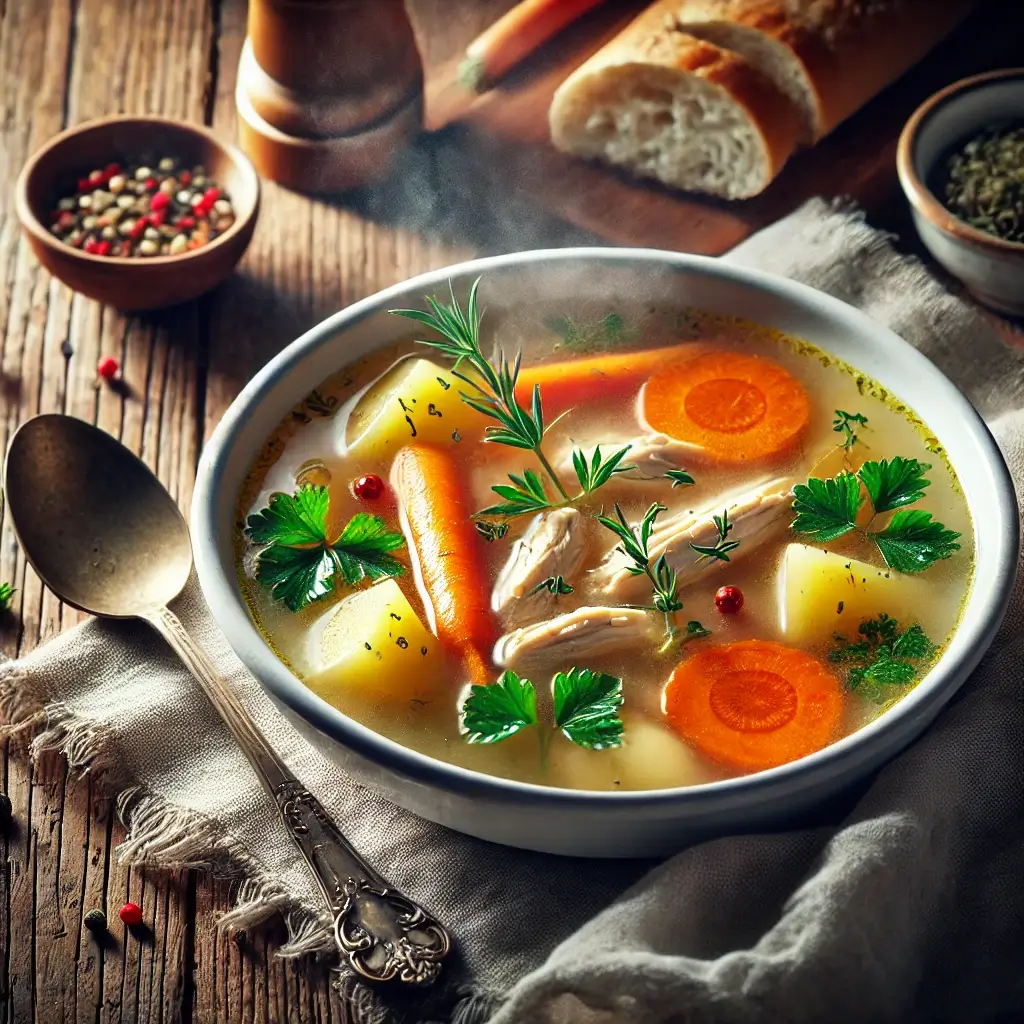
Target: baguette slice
(828,56)
(670,106)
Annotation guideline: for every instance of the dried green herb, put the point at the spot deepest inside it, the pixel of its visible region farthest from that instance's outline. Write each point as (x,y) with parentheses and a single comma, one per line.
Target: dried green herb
(984,181)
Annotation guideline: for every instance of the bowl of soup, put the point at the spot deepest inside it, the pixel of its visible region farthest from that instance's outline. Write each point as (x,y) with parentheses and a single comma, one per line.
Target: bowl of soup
(599,552)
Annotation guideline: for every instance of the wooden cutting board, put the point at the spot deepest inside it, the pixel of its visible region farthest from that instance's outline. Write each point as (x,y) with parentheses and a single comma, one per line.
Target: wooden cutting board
(507,134)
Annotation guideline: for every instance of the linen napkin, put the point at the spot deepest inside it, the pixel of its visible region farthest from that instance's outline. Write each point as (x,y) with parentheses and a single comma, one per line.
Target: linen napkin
(910,908)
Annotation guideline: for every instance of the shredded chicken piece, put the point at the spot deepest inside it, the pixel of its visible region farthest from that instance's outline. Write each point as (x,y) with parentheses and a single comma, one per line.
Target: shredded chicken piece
(752,515)
(585,631)
(553,545)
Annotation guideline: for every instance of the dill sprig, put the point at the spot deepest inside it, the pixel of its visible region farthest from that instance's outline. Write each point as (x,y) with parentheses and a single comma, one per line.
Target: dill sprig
(494,386)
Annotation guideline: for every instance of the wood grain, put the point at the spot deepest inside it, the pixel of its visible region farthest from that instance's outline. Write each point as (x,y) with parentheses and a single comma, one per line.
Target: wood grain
(63,62)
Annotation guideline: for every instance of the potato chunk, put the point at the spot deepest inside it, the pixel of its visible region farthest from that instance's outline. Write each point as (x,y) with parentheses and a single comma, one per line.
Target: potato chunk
(651,757)
(375,645)
(415,399)
(822,593)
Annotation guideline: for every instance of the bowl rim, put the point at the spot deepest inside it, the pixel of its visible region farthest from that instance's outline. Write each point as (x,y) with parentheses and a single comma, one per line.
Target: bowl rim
(919,195)
(887,733)
(31,223)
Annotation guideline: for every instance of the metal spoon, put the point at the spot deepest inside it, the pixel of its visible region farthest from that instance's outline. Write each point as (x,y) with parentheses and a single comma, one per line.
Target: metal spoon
(106,537)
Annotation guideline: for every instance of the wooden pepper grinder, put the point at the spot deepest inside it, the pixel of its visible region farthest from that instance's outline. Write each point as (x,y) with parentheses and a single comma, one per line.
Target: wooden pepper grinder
(328,90)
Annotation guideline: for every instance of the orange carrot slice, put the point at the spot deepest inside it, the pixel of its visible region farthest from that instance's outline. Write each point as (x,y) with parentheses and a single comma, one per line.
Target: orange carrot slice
(754,704)
(447,553)
(515,36)
(736,407)
(601,378)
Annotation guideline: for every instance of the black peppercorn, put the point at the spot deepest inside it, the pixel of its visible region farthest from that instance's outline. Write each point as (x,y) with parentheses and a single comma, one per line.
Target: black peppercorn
(96,921)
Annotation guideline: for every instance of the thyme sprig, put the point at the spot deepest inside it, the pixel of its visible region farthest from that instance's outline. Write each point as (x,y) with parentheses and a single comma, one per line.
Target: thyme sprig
(721,548)
(494,384)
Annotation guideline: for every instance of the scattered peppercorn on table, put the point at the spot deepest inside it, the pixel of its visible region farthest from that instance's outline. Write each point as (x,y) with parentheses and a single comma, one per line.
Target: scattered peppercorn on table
(82,937)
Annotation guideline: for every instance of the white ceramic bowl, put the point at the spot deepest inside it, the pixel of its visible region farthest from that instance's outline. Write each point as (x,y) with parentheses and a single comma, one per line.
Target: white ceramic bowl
(589,823)
(991,268)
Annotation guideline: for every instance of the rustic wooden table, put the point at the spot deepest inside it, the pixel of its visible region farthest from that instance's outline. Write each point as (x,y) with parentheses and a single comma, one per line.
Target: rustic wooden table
(63,62)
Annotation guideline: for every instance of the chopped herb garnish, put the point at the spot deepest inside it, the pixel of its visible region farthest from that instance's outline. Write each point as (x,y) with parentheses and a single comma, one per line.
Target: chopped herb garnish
(721,548)
(553,585)
(912,541)
(524,496)
(300,564)
(695,630)
(844,424)
(883,657)
(679,478)
(608,332)
(491,531)
(634,543)
(599,470)
(586,706)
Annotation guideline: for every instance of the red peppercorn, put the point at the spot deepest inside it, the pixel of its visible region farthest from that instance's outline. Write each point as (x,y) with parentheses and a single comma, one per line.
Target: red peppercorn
(156,219)
(103,248)
(159,201)
(66,220)
(186,223)
(112,169)
(95,177)
(92,247)
(83,185)
(369,487)
(149,184)
(131,914)
(185,178)
(729,600)
(107,368)
(139,228)
(210,196)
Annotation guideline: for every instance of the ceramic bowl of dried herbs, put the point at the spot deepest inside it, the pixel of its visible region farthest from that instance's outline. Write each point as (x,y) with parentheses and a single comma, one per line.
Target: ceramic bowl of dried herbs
(961,164)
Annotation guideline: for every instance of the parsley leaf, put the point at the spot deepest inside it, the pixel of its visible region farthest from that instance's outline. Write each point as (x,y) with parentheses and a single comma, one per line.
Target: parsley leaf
(300,565)
(296,576)
(884,658)
(499,710)
(292,519)
(913,541)
(894,484)
(827,509)
(362,549)
(587,708)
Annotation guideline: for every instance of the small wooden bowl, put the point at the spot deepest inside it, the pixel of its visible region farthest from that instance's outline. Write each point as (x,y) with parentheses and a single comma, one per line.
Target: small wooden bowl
(991,268)
(136,283)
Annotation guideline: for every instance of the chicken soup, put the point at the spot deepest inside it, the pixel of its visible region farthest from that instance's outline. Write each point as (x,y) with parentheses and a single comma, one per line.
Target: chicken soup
(610,549)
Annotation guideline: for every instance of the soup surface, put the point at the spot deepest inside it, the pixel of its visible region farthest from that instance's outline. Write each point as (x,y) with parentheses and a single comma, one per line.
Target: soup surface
(671,548)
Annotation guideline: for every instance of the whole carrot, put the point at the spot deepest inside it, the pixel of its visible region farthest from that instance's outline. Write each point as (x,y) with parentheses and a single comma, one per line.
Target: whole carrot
(446,549)
(610,376)
(516,35)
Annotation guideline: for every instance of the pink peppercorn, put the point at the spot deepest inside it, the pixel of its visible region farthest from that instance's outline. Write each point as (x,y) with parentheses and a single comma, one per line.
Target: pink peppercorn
(159,201)
(131,915)
(84,185)
(729,600)
(185,178)
(103,248)
(149,184)
(138,228)
(156,219)
(95,177)
(185,223)
(107,368)
(92,247)
(210,196)
(369,487)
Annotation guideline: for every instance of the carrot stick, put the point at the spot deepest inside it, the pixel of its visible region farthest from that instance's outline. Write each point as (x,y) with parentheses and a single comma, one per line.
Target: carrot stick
(605,377)
(447,553)
(515,36)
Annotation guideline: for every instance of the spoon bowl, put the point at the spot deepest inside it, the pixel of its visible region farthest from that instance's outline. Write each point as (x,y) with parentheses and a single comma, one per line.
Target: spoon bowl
(105,536)
(97,526)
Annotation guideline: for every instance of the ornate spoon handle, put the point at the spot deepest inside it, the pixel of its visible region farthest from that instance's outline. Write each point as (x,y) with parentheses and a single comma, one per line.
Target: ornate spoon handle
(381,933)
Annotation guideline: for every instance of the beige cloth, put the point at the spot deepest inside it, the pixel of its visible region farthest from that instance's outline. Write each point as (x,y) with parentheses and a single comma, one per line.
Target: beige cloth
(911,909)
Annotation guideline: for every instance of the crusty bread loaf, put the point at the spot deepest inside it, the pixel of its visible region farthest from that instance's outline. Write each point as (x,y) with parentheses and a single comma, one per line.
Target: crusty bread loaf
(829,56)
(670,106)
